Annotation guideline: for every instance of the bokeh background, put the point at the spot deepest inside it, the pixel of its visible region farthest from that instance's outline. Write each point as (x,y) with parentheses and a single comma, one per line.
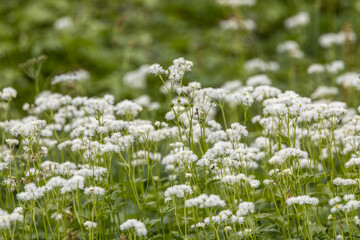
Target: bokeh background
(41,39)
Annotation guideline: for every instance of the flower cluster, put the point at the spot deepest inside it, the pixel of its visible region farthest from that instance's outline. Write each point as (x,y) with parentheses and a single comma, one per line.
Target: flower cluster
(138,226)
(223,162)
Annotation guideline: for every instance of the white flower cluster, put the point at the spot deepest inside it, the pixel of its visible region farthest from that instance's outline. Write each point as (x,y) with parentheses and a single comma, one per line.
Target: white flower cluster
(235,24)
(344,182)
(315,68)
(258,80)
(192,153)
(128,108)
(6,219)
(257,64)
(224,216)
(204,200)
(8,93)
(281,156)
(347,204)
(334,200)
(33,192)
(324,91)
(29,129)
(137,78)
(63,23)
(245,208)
(139,227)
(335,66)
(236,132)
(291,47)
(78,75)
(353,162)
(274,172)
(178,190)
(175,72)
(57,216)
(302,200)
(97,191)
(329,39)
(300,19)
(89,225)
(349,80)
(263,92)
(236,179)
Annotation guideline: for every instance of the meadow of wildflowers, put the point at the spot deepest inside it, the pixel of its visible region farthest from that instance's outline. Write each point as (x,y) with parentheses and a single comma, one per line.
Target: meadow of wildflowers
(271,153)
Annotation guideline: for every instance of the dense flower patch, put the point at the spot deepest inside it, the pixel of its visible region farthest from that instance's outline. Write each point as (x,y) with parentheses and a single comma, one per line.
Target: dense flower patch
(228,163)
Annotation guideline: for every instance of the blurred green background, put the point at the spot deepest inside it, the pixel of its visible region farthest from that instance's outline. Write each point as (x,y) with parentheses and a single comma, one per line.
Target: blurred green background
(110,38)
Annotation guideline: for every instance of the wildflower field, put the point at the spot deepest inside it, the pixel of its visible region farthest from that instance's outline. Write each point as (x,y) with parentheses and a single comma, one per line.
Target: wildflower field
(154,119)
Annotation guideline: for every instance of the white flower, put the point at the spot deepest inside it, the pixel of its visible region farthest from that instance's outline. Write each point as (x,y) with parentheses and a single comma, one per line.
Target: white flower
(334,200)
(236,132)
(90,225)
(139,227)
(290,47)
(6,219)
(231,23)
(260,79)
(227,228)
(245,208)
(178,190)
(198,225)
(262,92)
(32,192)
(94,191)
(324,91)
(76,182)
(257,64)
(128,108)
(268,181)
(302,200)
(329,39)
(204,200)
(63,23)
(353,162)
(156,69)
(356,220)
(178,69)
(57,216)
(254,183)
(137,78)
(336,208)
(78,75)
(12,142)
(339,237)
(281,156)
(349,79)
(344,182)
(240,97)
(300,19)
(351,205)
(335,66)
(8,93)
(315,69)
(349,197)
(237,219)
